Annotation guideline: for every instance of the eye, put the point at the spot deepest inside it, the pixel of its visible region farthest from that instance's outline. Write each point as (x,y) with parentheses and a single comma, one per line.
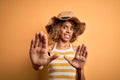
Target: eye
(64,26)
(71,28)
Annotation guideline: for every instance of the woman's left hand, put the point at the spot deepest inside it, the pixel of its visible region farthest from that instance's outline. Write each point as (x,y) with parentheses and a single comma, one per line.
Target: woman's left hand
(80,57)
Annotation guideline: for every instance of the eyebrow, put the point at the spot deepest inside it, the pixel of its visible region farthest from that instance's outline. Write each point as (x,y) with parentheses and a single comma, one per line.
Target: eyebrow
(67,26)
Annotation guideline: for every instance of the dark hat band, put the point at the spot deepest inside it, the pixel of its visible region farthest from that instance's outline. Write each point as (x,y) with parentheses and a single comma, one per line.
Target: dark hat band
(65,18)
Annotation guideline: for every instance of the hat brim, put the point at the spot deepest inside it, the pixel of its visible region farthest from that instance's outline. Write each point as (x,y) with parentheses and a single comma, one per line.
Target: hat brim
(78,24)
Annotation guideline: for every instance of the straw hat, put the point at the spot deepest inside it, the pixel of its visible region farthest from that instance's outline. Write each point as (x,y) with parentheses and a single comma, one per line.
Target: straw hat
(66,15)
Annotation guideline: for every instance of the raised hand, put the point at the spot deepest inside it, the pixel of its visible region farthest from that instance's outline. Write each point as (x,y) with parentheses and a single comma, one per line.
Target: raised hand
(39,50)
(80,57)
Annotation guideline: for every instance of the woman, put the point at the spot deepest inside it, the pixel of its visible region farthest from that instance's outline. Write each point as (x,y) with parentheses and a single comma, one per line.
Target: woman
(65,61)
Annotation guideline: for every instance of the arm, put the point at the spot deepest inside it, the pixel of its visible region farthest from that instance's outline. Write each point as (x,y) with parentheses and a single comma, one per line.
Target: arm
(79,61)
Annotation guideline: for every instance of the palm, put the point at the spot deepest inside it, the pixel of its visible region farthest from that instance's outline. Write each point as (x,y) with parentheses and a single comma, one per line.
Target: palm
(40,56)
(39,50)
(78,62)
(80,58)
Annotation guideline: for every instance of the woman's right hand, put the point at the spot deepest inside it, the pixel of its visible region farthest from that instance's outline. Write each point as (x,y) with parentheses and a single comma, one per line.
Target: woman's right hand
(39,50)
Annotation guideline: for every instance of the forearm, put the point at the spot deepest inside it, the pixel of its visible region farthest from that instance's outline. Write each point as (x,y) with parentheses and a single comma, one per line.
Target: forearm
(80,74)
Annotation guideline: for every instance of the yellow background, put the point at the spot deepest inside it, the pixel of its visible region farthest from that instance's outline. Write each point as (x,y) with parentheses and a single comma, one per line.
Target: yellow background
(21,19)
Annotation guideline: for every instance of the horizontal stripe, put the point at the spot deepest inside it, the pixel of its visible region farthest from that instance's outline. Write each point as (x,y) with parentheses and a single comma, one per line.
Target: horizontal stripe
(66,50)
(62,70)
(60,79)
(59,61)
(62,53)
(60,64)
(63,73)
(61,67)
(63,76)
(61,57)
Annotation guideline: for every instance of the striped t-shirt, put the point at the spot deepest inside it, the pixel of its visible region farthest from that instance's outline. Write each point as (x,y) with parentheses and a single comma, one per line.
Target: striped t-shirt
(60,69)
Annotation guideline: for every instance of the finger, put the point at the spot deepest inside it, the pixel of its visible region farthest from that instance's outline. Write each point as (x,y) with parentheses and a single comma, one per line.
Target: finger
(81,50)
(69,61)
(31,46)
(37,39)
(40,38)
(86,54)
(33,43)
(54,56)
(44,41)
(84,51)
(77,51)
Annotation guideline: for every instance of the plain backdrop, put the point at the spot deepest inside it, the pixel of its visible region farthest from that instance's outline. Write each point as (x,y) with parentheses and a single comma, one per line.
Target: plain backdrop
(21,19)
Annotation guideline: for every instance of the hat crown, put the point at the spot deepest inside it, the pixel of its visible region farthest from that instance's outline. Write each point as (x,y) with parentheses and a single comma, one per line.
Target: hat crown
(66,14)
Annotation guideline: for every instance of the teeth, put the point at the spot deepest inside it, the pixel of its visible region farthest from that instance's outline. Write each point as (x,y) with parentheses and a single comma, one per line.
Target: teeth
(67,36)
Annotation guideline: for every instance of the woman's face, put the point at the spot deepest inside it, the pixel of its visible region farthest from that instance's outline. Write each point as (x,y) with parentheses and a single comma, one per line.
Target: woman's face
(66,31)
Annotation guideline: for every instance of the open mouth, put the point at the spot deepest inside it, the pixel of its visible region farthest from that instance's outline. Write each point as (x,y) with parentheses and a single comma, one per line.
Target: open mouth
(67,36)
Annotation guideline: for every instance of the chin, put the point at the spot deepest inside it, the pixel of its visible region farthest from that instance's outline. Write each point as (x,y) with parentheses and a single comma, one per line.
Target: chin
(66,40)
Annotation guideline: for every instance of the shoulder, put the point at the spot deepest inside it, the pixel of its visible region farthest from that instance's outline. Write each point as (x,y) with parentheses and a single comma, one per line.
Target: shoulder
(74,47)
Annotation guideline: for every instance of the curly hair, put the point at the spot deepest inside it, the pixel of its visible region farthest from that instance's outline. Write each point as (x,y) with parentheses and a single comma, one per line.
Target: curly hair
(54,29)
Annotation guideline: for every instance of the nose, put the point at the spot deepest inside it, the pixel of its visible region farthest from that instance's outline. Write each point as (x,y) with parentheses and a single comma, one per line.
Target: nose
(68,30)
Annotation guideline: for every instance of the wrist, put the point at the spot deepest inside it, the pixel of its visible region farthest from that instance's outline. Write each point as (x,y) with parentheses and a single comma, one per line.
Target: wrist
(37,67)
(79,70)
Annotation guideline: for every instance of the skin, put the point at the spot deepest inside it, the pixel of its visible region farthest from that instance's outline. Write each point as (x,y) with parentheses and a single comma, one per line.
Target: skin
(39,50)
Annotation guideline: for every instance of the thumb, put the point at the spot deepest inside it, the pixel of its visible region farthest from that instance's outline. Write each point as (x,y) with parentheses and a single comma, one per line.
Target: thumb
(69,61)
(54,56)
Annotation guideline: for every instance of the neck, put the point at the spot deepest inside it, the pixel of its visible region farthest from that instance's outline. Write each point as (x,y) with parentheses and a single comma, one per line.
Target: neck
(63,45)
